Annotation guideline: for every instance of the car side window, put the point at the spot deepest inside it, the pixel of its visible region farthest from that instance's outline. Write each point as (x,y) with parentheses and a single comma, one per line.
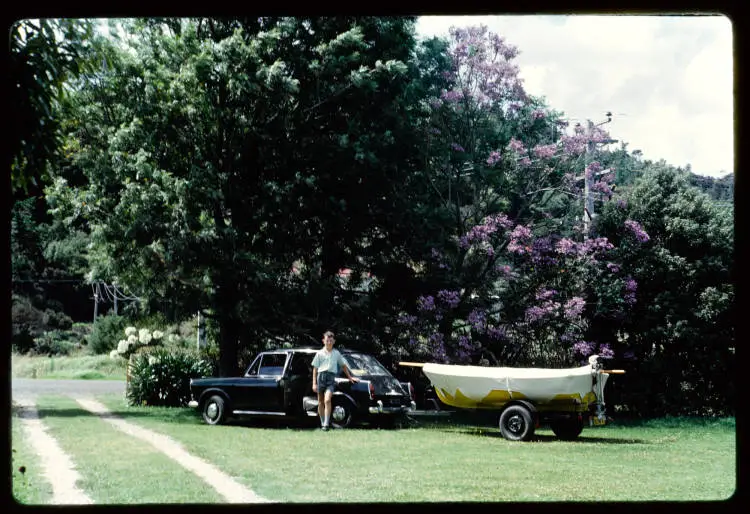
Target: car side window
(272,364)
(301,364)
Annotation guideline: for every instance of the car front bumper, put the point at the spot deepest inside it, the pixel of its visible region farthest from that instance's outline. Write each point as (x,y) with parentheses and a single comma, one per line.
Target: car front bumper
(381,409)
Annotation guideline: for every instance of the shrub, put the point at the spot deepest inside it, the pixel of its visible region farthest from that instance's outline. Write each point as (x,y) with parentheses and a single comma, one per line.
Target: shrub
(161,376)
(135,340)
(155,320)
(55,342)
(27,323)
(22,341)
(54,319)
(82,332)
(105,333)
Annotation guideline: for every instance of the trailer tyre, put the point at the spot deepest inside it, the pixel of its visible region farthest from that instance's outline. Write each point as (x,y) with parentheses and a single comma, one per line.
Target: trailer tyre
(567,429)
(516,423)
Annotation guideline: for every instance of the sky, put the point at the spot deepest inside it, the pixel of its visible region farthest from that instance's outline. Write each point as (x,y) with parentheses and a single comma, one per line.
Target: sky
(668,80)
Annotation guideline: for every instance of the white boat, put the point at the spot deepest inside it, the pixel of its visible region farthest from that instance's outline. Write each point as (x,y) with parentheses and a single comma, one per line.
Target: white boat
(479,387)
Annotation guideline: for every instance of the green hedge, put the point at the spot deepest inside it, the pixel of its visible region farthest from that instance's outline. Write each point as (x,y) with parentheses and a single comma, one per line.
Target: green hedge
(161,376)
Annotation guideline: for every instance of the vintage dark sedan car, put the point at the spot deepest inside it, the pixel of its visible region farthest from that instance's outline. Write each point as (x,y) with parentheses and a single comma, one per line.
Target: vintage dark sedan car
(279,383)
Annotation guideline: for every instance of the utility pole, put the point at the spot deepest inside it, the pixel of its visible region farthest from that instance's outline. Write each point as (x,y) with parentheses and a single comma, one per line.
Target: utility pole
(588,199)
(96,304)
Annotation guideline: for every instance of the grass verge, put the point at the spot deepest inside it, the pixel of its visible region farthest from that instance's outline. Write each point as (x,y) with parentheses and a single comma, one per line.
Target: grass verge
(663,460)
(74,366)
(116,468)
(28,483)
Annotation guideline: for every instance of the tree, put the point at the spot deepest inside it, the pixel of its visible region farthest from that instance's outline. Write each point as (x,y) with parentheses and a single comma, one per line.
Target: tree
(44,55)
(217,157)
(677,248)
(504,199)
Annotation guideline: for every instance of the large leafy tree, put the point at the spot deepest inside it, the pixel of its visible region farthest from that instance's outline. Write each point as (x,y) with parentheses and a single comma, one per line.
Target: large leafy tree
(44,54)
(676,246)
(219,156)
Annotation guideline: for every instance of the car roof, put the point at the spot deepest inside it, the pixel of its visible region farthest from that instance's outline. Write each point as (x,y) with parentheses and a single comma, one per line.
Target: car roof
(308,350)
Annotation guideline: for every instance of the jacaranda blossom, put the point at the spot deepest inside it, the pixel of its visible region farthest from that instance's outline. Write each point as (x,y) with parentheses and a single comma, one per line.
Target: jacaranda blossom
(516,146)
(574,307)
(426,303)
(544,151)
(493,158)
(637,230)
(451,298)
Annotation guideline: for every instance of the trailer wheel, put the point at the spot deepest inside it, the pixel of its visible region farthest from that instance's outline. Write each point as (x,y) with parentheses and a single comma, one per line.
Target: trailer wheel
(567,429)
(516,423)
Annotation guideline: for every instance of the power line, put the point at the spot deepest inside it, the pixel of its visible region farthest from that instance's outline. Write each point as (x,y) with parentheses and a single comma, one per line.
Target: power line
(48,281)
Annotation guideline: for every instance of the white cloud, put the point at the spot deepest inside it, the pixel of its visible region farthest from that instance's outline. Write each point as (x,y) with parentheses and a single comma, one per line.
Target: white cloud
(667,79)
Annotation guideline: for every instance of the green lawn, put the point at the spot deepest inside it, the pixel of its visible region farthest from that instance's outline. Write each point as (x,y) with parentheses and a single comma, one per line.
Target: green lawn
(28,483)
(672,460)
(116,468)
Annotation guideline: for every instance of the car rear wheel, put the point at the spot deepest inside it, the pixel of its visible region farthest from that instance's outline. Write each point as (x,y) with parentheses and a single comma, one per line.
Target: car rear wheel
(516,423)
(342,413)
(214,412)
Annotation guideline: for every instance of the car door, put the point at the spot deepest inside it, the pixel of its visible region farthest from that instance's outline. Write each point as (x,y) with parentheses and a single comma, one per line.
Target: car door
(298,381)
(262,387)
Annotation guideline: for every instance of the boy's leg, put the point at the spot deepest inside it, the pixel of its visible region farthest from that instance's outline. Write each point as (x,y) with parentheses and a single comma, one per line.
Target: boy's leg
(321,406)
(328,396)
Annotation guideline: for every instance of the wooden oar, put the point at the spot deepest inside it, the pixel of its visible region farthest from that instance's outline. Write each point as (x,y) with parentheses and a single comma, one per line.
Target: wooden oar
(412,364)
(613,371)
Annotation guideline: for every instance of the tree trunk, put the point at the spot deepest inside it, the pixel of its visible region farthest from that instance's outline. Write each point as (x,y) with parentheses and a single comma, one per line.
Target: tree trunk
(228,346)
(229,325)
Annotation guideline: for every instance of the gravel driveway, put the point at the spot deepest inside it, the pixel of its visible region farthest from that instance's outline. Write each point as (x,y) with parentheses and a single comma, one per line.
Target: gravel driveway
(31,388)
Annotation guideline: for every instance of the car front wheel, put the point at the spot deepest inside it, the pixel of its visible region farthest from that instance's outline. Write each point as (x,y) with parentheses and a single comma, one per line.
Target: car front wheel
(214,412)
(342,414)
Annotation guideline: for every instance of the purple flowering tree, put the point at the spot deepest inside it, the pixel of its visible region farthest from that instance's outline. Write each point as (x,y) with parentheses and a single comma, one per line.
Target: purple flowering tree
(507,280)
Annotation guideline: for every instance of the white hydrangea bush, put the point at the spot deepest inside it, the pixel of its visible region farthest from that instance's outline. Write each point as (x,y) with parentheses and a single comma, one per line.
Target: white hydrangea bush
(134,339)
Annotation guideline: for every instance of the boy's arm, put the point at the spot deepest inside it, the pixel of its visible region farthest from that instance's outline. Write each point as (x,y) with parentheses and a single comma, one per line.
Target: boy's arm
(351,377)
(315,379)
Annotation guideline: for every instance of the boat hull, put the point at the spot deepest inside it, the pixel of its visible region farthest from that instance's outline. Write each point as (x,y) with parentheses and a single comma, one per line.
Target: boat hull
(478,387)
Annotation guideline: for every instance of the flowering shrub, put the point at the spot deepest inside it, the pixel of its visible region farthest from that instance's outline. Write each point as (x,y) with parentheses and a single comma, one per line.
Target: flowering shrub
(161,376)
(135,339)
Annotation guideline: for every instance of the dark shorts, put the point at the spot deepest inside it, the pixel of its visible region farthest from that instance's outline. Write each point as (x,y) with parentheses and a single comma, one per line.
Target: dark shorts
(326,380)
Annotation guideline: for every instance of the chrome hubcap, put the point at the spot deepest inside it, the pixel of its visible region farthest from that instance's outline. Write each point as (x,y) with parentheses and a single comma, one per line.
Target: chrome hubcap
(212,410)
(339,413)
(515,424)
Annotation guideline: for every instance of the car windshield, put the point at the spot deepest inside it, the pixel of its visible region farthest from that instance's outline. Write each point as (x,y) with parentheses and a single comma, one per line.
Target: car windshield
(361,364)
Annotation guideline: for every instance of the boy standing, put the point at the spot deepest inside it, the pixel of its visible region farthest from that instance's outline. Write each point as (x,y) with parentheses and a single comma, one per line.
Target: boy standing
(326,365)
